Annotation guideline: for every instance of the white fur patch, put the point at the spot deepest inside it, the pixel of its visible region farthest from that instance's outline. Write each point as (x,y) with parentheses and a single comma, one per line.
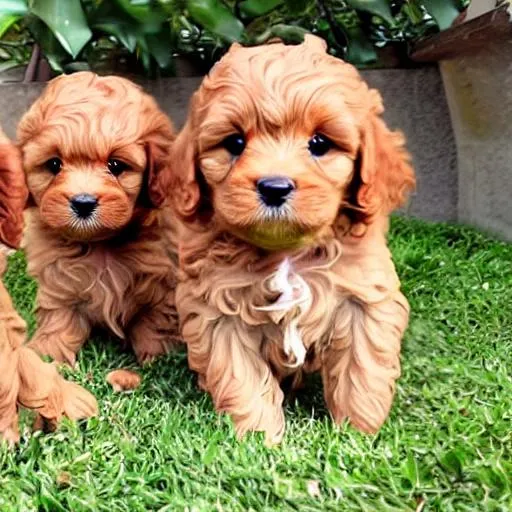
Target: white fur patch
(294,294)
(5,249)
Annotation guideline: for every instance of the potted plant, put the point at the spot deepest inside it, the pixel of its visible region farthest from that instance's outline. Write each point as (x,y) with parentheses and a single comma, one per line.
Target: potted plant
(147,36)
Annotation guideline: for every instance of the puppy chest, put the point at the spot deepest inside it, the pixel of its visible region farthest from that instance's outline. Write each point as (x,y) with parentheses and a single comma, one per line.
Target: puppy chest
(299,315)
(104,291)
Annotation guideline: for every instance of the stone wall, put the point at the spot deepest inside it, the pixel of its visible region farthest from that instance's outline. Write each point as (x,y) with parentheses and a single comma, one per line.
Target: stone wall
(414,100)
(479,92)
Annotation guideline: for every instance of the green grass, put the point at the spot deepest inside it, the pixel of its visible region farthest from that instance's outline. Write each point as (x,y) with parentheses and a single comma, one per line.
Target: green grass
(446,446)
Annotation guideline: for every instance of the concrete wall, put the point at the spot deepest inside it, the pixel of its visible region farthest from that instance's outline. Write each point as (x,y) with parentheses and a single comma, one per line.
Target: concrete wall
(414,100)
(479,92)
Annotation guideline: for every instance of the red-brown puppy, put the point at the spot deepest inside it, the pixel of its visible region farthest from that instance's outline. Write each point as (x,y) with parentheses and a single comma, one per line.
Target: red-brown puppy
(25,380)
(285,179)
(95,152)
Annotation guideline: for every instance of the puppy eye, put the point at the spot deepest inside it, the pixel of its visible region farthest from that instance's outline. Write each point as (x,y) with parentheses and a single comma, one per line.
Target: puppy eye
(319,144)
(53,165)
(234,143)
(116,167)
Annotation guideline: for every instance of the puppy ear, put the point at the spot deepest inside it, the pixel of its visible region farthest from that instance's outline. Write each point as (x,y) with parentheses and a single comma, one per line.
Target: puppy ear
(385,175)
(186,187)
(13,193)
(157,175)
(155,184)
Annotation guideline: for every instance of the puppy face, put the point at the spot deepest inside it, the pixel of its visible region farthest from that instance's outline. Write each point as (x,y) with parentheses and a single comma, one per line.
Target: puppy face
(279,136)
(95,151)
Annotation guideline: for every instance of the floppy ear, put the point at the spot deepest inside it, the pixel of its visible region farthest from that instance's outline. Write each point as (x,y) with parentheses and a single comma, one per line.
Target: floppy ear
(385,174)
(155,184)
(157,175)
(13,193)
(186,189)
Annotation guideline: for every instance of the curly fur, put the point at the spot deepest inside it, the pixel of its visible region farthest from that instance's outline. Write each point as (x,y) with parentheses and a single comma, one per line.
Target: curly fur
(265,294)
(26,381)
(115,269)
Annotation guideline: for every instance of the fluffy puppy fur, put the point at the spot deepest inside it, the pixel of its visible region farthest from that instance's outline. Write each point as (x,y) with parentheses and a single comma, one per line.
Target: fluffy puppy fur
(285,178)
(95,153)
(25,380)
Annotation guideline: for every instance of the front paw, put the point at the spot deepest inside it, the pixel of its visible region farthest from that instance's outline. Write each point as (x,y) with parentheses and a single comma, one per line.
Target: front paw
(266,418)
(46,346)
(147,350)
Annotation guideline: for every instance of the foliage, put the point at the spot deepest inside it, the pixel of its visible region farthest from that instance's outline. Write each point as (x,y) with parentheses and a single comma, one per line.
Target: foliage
(77,34)
(447,445)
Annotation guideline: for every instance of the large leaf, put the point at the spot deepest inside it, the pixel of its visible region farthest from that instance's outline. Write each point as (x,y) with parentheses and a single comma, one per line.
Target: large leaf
(160,47)
(255,8)
(147,12)
(297,6)
(13,7)
(7,21)
(55,54)
(216,17)
(109,19)
(67,22)
(9,64)
(443,11)
(360,49)
(377,7)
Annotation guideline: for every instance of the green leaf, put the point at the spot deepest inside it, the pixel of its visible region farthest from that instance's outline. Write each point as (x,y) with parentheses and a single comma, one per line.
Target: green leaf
(120,31)
(414,13)
(297,6)
(144,11)
(73,67)
(13,7)
(255,8)
(67,21)
(160,47)
(216,17)
(410,470)
(107,18)
(9,64)
(453,461)
(443,11)
(143,52)
(289,33)
(360,49)
(376,7)
(7,21)
(50,46)
(212,449)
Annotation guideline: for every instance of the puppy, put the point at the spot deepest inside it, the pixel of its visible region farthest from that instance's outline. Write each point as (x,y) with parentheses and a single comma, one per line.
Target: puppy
(25,380)
(95,153)
(285,177)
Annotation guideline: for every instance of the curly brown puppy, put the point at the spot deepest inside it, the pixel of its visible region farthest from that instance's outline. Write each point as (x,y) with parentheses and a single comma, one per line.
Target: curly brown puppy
(95,153)
(25,380)
(285,179)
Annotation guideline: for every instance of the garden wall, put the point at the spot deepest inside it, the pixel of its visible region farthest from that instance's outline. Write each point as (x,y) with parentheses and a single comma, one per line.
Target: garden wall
(414,99)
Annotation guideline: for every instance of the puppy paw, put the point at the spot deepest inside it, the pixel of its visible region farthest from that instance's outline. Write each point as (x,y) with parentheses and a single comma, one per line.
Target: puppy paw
(10,436)
(58,353)
(148,350)
(43,424)
(124,380)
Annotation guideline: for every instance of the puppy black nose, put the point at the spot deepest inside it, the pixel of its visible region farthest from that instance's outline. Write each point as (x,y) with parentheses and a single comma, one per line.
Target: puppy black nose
(83,205)
(274,190)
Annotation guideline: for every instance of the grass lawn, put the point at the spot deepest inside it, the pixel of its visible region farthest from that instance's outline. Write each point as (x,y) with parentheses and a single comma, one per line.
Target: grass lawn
(446,446)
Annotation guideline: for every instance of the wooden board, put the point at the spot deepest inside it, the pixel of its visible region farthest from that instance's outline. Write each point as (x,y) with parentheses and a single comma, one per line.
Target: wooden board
(465,39)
